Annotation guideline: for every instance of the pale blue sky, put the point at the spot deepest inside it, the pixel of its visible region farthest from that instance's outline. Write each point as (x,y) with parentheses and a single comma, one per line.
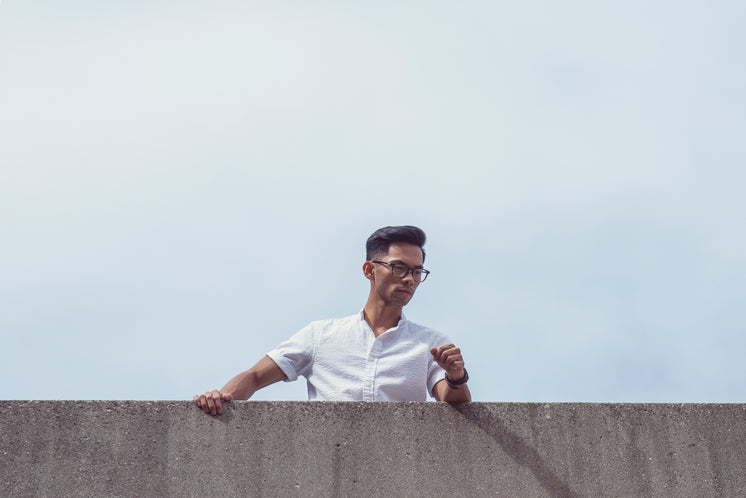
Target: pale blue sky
(183,186)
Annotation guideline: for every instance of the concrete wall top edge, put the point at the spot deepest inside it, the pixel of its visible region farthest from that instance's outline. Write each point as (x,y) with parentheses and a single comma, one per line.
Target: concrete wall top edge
(299,448)
(479,403)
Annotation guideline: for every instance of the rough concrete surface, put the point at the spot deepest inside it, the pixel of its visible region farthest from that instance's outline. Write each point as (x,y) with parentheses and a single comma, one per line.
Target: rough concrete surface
(139,448)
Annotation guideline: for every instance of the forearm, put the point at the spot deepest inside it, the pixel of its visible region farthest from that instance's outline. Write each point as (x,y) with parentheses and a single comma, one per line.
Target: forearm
(455,395)
(245,384)
(459,392)
(242,386)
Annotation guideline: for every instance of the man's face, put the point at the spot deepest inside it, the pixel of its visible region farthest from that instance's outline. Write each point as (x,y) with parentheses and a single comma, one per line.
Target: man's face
(391,289)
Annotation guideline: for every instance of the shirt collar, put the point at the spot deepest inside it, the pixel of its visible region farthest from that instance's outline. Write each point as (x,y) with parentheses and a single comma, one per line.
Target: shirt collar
(402,319)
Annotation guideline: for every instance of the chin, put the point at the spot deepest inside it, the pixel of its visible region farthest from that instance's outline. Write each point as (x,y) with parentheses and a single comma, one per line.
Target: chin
(403,301)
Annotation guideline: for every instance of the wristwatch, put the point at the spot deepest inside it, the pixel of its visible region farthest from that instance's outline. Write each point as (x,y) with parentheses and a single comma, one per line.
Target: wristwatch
(453,384)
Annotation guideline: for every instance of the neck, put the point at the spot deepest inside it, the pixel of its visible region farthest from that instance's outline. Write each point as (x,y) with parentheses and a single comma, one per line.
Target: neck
(381,317)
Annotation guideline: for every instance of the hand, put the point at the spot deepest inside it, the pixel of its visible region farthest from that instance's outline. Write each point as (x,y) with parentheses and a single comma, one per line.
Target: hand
(449,358)
(212,401)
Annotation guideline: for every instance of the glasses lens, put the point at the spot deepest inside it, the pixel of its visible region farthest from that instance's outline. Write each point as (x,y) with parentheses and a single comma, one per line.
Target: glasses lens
(399,270)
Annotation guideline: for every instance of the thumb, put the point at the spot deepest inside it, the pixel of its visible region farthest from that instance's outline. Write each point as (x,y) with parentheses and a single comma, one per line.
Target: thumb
(226,397)
(433,351)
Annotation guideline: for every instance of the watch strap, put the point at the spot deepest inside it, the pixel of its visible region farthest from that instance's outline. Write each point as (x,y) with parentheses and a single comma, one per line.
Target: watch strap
(453,384)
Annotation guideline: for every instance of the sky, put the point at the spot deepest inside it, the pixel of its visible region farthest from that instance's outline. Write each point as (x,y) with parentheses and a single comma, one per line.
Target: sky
(184,186)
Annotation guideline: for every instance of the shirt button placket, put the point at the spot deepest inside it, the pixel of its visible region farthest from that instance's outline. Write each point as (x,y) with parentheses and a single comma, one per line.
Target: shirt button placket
(370,372)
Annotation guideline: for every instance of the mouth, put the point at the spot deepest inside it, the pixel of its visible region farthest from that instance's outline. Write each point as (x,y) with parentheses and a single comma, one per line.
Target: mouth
(405,291)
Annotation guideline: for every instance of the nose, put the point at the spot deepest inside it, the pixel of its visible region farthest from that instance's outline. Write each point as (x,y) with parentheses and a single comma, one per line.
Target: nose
(409,277)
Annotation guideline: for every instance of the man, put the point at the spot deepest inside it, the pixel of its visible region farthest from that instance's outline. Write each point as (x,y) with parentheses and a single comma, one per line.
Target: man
(375,355)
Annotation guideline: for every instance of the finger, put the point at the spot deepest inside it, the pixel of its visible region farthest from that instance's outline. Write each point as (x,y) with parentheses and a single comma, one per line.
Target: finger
(210,407)
(227,397)
(444,352)
(435,352)
(452,363)
(445,347)
(203,403)
(206,402)
(449,357)
(456,366)
(451,352)
(195,398)
(216,400)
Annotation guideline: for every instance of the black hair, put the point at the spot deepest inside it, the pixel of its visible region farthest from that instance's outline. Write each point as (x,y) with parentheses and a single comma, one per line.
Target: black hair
(378,243)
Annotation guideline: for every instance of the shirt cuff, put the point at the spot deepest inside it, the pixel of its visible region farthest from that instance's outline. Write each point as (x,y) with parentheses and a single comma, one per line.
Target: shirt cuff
(441,375)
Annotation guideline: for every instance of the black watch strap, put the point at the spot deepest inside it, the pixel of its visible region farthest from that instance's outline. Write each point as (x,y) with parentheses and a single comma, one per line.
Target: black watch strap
(453,384)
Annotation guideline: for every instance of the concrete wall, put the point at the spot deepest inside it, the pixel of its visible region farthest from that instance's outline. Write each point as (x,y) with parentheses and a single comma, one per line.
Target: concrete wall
(127,448)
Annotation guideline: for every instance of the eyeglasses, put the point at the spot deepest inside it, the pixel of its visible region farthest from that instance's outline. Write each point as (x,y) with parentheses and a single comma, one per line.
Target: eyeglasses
(401,271)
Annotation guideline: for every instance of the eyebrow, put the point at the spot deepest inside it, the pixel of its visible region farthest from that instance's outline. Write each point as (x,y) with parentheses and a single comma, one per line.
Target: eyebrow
(399,261)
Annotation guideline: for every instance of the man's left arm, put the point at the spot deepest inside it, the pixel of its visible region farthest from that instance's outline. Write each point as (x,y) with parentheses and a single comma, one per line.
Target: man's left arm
(449,358)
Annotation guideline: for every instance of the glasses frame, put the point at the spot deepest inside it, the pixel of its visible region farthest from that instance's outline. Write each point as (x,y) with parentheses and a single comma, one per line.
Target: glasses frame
(425,272)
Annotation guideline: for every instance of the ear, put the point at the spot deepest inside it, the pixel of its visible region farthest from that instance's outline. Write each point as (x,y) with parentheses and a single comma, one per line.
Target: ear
(368,270)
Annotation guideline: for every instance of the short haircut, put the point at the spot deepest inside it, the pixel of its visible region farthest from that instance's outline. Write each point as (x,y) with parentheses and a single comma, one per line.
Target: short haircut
(378,244)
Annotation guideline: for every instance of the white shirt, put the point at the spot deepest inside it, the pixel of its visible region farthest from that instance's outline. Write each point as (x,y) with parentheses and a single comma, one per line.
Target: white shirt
(343,360)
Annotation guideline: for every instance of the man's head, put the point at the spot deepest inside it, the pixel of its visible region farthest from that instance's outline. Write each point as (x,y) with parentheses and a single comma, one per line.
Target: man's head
(394,264)
(378,244)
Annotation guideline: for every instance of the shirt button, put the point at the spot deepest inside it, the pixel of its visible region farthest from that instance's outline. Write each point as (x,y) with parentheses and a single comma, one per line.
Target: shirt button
(367,383)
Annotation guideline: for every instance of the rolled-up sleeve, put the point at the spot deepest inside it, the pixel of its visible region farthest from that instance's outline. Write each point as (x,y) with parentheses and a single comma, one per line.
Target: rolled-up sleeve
(295,356)
(434,373)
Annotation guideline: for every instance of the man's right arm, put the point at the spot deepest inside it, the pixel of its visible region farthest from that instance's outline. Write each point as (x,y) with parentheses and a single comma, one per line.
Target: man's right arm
(242,386)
